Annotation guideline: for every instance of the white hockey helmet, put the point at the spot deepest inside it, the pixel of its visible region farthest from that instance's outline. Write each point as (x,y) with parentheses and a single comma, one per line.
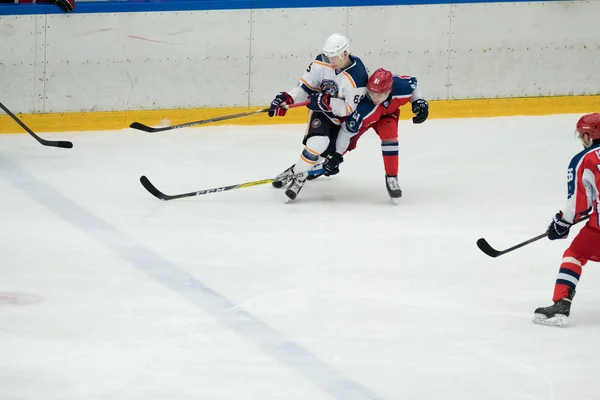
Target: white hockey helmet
(336,45)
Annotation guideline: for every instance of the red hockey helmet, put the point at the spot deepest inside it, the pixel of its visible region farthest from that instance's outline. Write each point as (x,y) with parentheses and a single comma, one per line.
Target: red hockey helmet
(590,124)
(380,82)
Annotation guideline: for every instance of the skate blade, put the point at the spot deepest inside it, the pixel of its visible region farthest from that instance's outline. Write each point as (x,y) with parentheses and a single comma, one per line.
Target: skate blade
(558,320)
(394,201)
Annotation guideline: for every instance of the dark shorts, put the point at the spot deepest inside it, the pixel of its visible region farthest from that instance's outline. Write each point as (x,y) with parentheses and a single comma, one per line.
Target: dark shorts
(320,125)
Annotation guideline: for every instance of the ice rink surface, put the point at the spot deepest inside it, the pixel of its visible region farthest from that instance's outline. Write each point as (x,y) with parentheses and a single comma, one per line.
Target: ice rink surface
(107,293)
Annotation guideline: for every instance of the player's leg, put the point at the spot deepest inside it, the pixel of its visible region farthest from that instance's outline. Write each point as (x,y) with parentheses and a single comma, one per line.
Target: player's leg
(585,247)
(284,178)
(316,142)
(387,129)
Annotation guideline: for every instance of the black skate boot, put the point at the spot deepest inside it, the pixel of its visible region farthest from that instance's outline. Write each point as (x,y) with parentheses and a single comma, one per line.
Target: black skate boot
(283,178)
(556,314)
(295,187)
(393,187)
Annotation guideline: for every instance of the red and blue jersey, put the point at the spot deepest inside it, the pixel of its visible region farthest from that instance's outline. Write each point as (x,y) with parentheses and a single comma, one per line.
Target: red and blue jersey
(583,178)
(367,113)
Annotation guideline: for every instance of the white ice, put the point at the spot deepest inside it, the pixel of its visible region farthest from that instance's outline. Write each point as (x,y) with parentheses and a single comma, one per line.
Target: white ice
(338,295)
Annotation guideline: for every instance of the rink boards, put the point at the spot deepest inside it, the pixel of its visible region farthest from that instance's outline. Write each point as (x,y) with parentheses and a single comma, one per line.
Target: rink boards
(118,66)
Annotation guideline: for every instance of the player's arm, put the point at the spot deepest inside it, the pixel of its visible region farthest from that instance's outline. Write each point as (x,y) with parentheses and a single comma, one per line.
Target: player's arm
(579,200)
(307,85)
(353,125)
(582,192)
(343,107)
(350,128)
(420,106)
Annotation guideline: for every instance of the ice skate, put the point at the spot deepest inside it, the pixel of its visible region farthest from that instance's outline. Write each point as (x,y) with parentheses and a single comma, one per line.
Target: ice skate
(556,314)
(283,178)
(295,187)
(393,188)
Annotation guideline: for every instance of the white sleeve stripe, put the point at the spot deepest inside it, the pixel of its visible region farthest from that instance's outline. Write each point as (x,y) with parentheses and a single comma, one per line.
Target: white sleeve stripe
(403,96)
(571,260)
(590,183)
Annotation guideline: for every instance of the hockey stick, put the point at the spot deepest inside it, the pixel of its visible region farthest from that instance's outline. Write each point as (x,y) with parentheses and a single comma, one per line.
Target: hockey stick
(490,251)
(146,128)
(53,143)
(160,195)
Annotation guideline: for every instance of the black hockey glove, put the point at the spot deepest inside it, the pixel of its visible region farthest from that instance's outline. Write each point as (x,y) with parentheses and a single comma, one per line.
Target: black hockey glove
(319,102)
(559,228)
(65,5)
(278,105)
(421,109)
(332,165)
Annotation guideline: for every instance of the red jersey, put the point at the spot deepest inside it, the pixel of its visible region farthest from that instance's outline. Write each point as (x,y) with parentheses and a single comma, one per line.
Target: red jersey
(367,113)
(583,178)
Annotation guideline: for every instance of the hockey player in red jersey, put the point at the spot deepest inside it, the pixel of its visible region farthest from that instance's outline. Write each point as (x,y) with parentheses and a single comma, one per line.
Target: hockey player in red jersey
(380,110)
(583,178)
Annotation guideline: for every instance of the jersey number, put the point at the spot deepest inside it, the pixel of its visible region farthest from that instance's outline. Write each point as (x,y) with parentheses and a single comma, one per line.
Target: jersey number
(358,98)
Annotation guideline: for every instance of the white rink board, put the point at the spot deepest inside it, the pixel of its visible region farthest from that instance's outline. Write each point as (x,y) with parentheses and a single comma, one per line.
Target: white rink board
(279,57)
(413,48)
(148,60)
(536,49)
(21,61)
(220,58)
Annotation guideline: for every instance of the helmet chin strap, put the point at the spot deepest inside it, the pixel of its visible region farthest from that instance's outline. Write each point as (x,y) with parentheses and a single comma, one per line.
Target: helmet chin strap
(344,57)
(586,141)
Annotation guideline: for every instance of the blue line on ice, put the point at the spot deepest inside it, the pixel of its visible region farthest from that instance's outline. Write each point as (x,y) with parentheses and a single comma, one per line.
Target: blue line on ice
(202,297)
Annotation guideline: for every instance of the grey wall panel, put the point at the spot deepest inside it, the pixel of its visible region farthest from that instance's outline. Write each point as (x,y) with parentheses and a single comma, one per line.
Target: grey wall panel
(284,43)
(145,61)
(21,63)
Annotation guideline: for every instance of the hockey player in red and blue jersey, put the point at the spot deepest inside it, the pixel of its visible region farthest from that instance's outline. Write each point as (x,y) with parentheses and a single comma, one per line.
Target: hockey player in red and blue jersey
(583,178)
(380,110)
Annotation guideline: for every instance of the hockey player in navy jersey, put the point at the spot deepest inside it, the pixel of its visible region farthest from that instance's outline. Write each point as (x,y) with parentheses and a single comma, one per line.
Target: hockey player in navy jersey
(334,83)
(583,178)
(380,110)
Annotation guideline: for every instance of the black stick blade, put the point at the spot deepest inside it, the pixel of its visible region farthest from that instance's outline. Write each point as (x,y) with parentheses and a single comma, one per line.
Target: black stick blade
(65,145)
(142,127)
(487,249)
(53,143)
(152,189)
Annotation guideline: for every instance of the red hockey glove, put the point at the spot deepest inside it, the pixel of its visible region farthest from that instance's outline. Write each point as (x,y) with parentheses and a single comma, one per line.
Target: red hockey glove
(279,104)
